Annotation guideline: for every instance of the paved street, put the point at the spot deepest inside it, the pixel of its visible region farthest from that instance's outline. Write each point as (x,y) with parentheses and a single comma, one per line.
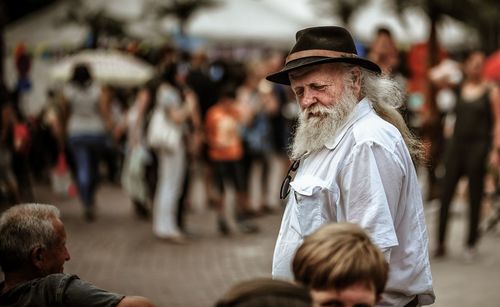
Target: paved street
(118,252)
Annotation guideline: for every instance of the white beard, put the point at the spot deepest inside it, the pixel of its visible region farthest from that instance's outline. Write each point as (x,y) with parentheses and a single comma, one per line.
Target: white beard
(314,131)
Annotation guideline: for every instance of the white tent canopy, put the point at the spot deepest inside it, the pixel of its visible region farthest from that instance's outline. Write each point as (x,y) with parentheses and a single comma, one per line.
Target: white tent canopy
(276,21)
(41,29)
(249,20)
(271,22)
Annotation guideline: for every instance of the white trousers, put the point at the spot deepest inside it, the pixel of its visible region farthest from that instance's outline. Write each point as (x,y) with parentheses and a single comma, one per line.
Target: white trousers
(170,178)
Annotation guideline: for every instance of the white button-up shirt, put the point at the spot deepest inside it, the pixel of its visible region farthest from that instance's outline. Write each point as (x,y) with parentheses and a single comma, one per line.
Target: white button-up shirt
(364,175)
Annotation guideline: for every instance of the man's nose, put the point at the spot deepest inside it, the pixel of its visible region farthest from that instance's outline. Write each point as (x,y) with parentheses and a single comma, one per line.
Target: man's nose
(308,99)
(67,256)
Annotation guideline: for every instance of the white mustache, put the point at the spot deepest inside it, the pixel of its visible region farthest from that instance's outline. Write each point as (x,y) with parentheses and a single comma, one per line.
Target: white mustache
(317,110)
(318,123)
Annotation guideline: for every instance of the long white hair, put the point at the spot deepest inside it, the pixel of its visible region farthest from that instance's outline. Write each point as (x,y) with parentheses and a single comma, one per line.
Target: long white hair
(387,98)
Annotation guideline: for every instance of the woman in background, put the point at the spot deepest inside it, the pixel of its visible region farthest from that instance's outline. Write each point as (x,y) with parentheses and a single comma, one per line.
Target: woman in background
(87,131)
(172,161)
(476,129)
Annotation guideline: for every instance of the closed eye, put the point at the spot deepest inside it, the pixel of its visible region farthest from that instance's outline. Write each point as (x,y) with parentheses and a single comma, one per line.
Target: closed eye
(319,87)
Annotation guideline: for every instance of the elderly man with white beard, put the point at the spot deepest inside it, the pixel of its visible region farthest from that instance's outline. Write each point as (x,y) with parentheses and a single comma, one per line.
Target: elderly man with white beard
(352,158)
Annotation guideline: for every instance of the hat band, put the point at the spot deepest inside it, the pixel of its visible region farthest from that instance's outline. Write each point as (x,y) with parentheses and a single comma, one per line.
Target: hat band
(318,53)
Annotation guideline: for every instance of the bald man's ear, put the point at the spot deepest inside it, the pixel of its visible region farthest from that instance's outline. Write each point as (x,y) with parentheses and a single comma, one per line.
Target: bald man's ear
(37,257)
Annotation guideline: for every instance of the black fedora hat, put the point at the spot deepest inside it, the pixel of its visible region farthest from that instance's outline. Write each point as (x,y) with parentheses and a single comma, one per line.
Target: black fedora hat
(321,45)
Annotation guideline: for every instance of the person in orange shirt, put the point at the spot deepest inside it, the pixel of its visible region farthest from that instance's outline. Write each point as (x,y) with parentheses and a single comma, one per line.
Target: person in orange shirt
(225,150)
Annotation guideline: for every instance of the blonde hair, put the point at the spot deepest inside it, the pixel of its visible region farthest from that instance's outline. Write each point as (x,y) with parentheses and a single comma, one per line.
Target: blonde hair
(337,256)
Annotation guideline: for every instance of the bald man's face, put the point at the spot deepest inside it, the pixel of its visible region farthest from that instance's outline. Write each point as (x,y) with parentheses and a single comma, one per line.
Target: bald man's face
(54,257)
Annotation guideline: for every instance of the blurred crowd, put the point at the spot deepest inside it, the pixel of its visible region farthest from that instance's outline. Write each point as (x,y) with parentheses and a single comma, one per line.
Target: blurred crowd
(228,126)
(231,126)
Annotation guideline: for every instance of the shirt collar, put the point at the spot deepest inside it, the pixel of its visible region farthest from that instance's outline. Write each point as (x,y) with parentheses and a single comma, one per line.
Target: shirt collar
(362,109)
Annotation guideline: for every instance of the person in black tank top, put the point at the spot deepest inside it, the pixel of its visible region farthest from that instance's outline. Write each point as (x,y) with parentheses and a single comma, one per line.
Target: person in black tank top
(468,150)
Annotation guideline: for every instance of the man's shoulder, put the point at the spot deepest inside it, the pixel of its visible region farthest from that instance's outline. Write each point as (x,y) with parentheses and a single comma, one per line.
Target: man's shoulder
(52,280)
(54,283)
(44,291)
(58,278)
(372,128)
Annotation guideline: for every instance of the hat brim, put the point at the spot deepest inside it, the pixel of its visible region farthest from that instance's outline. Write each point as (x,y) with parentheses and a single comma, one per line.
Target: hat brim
(281,76)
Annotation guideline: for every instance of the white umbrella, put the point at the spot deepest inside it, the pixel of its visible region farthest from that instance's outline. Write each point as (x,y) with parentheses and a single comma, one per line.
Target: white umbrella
(107,66)
(41,29)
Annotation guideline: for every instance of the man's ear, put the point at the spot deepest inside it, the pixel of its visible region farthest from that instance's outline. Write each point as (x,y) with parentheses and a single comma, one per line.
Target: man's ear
(356,79)
(37,257)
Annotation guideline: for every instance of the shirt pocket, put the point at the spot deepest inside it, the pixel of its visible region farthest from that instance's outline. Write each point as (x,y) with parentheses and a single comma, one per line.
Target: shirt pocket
(315,203)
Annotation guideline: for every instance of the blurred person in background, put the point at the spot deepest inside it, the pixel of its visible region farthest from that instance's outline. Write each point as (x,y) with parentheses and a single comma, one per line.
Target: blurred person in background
(9,190)
(383,51)
(476,136)
(22,122)
(137,154)
(341,266)
(171,161)
(24,84)
(198,79)
(113,156)
(283,121)
(193,139)
(54,117)
(32,256)
(22,132)
(206,88)
(225,149)
(257,103)
(51,146)
(88,131)
(424,118)
(16,140)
